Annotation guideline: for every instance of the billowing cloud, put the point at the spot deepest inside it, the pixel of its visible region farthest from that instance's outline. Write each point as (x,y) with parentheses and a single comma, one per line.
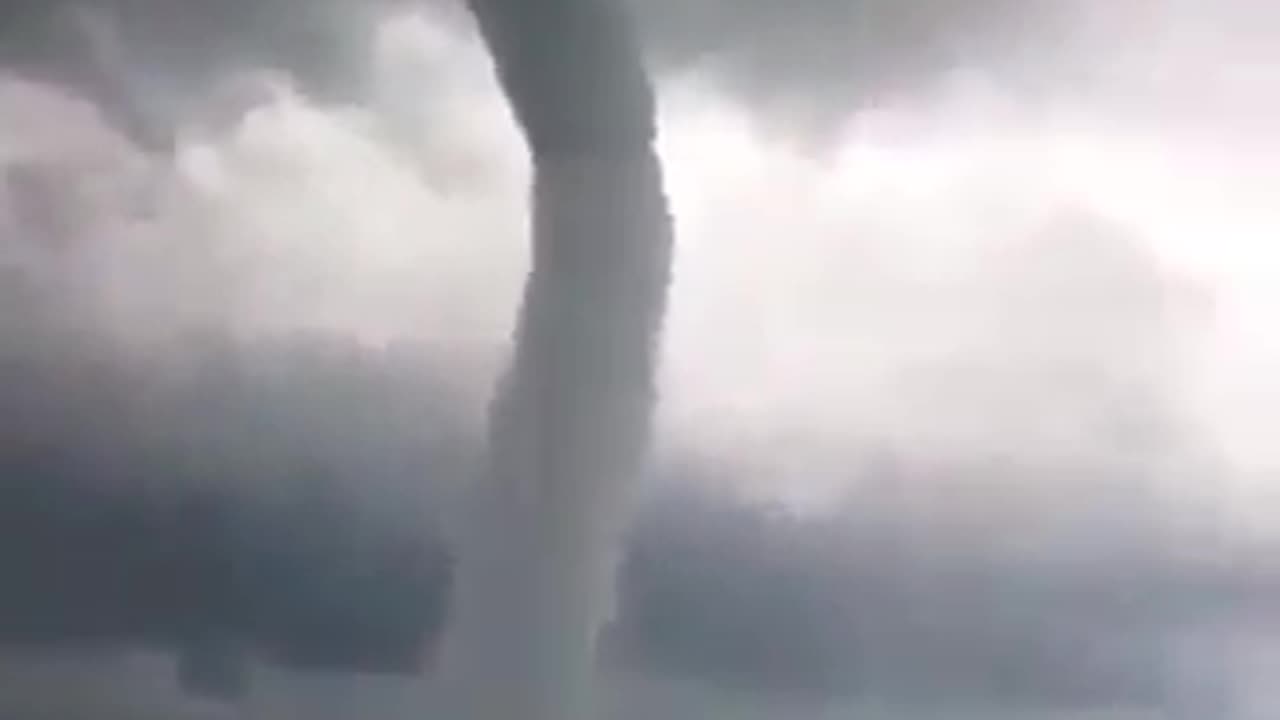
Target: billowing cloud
(995,292)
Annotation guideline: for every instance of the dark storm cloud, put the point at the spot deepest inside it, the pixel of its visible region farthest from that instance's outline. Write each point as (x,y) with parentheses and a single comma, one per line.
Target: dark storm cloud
(834,55)
(215,494)
(803,67)
(198,498)
(885,606)
(303,435)
(803,64)
(102,452)
(150,64)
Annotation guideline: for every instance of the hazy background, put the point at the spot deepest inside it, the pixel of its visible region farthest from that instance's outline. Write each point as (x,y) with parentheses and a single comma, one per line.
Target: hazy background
(970,337)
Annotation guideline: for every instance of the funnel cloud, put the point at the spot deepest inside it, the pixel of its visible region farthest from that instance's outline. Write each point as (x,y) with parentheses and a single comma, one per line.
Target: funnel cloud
(965,394)
(570,422)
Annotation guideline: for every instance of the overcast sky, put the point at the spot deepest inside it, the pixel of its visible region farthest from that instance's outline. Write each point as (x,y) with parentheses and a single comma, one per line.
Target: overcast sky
(815,267)
(1005,229)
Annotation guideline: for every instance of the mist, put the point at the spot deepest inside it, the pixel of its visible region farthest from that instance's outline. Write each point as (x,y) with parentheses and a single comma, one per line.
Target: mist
(1038,281)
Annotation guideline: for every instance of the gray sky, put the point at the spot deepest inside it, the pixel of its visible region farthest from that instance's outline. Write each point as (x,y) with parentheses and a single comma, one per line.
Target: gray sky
(1000,250)
(865,292)
(900,198)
